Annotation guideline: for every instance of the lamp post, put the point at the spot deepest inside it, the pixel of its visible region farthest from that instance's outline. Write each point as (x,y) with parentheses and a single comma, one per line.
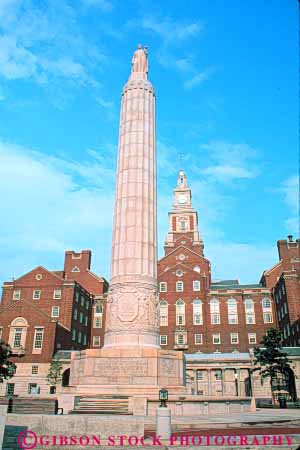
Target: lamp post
(236,384)
(163,397)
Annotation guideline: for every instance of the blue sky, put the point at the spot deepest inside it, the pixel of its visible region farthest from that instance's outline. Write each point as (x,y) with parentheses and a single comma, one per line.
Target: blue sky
(226,80)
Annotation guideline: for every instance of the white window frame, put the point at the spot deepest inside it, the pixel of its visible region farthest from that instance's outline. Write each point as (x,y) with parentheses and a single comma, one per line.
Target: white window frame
(232,311)
(17,294)
(249,311)
(252,336)
(214,306)
(179,286)
(55,308)
(163,313)
(180,312)
(57,294)
(179,335)
(17,331)
(100,312)
(36,294)
(234,341)
(96,341)
(198,338)
(196,285)
(163,337)
(38,331)
(163,286)
(268,313)
(98,322)
(216,336)
(197,312)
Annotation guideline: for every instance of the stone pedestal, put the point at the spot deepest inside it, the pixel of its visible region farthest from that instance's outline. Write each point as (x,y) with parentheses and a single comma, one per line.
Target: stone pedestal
(137,370)
(163,423)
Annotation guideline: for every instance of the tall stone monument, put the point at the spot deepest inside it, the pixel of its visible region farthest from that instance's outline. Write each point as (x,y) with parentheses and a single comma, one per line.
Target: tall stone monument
(131,361)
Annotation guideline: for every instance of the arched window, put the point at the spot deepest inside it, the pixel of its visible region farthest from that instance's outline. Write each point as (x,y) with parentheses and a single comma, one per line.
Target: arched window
(215,311)
(180,312)
(197,312)
(17,335)
(163,313)
(266,303)
(249,311)
(232,311)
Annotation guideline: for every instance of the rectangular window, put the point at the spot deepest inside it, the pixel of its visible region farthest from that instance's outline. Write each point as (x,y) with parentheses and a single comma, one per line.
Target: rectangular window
(180,339)
(180,319)
(79,337)
(250,318)
(84,339)
(179,286)
(96,341)
(196,285)
(10,389)
(268,317)
(198,339)
(17,294)
(215,318)
(34,370)
(57,294)
(73,335)
(81,317)
(76,296)
(200,375)
(252,338)
(97,322)
(86,321)
(75,314)
(234,338)
(98,309)
(198,320)
(163,287)
(38,338)
(232,318)
(218,374)
(17,337)
(33,389)
(55,311)
(36,294)
(216,339)
(82,300)
(163,340)
(163,320)
(87,305)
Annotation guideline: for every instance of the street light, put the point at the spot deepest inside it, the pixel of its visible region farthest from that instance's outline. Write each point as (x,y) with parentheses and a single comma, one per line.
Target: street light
(236,384)
(163,397)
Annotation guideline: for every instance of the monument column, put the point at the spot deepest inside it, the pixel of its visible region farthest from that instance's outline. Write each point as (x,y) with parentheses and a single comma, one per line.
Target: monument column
(132,305)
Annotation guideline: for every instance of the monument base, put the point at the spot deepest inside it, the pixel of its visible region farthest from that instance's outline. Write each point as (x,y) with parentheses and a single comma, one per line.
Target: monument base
(133,370)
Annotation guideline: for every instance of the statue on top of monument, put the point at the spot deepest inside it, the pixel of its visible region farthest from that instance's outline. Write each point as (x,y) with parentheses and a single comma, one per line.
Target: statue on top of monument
(140,60)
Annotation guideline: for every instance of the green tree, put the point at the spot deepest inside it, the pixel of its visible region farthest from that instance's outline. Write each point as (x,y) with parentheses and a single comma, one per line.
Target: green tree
(271,359)
(7,368)
(54,376)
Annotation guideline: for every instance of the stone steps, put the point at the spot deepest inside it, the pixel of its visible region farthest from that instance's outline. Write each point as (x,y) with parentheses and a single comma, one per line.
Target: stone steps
(101,405)
(29,405)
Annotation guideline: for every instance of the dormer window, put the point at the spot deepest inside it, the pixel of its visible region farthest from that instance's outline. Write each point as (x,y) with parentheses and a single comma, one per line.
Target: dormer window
(75,269)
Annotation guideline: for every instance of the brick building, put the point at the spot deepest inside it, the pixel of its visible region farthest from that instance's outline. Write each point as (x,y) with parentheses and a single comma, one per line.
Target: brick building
(43,312)
(196,314)
(284,280)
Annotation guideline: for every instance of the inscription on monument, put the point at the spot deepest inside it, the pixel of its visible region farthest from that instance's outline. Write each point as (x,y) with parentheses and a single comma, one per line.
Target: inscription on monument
(106,367)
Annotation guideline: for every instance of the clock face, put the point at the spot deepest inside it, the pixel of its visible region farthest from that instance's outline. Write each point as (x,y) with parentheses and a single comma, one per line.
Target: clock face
(182,199)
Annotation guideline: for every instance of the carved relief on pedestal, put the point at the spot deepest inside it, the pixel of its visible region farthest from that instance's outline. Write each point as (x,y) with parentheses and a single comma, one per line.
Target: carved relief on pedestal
(132,307)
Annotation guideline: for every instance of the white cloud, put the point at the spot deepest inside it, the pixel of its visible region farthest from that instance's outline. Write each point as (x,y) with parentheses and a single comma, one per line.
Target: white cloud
(199,78)
(53,204)
(172,31)
(227,172)
(230,161)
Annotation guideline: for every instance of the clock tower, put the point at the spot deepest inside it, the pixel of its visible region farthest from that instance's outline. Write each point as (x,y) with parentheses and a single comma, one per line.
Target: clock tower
(183,218)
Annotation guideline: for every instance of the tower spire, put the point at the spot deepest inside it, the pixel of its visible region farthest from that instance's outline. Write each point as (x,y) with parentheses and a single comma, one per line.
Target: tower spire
(183,218)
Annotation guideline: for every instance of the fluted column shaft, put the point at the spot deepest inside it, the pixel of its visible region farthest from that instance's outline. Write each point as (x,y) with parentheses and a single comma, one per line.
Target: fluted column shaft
(132,309)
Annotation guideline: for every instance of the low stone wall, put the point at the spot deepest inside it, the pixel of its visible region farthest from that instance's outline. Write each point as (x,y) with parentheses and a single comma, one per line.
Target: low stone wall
(204,406)
(100,426)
